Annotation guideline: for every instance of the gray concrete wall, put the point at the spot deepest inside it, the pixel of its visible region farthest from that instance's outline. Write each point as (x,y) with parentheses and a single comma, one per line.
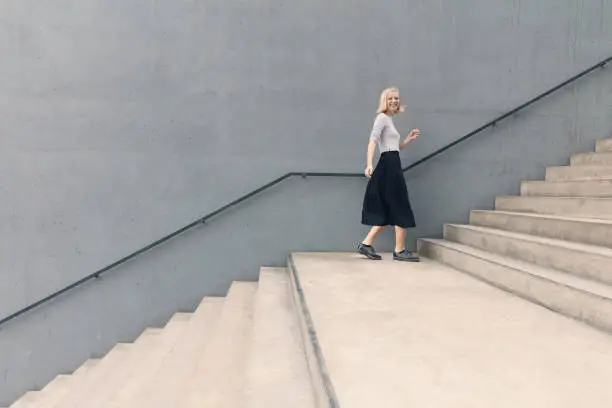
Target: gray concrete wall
(122,121)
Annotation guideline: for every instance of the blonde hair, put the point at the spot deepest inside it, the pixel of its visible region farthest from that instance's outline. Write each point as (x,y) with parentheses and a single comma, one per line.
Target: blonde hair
(383,104)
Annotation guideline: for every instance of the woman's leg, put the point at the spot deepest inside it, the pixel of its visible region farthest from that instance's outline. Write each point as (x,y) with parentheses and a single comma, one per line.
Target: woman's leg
(366,248)
(371,237)
(400,239)
(400,253)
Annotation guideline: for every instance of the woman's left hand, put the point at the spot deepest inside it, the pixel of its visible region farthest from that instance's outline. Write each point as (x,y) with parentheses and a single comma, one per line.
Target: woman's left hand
(414,133)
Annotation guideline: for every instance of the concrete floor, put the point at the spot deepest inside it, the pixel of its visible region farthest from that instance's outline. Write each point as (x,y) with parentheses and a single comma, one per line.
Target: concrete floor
(424,335)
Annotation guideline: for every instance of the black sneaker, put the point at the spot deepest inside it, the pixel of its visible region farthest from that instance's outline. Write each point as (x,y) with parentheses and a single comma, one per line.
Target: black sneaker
(368,251)
(406,255)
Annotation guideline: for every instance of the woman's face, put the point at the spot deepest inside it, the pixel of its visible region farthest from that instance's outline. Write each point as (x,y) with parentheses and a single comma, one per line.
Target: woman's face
(393,102)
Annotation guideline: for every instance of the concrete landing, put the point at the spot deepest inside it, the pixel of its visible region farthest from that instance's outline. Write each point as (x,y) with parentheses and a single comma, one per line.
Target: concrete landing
(424,335)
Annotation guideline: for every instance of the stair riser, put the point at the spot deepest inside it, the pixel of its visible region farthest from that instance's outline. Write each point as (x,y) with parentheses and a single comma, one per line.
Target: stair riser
(588,208)
(579,263)
(578,173)
(589,308)
(567,189)
(603,145)
(568,230)
(604,159)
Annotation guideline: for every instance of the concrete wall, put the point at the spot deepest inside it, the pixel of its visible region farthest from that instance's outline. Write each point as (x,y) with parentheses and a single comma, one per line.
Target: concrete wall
(123,120)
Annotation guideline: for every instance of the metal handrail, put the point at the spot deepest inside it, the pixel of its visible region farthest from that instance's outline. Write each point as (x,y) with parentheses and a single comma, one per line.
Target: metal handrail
(272,183)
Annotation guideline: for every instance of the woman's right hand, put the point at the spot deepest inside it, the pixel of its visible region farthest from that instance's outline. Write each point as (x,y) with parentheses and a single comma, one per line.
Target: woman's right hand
(368,171)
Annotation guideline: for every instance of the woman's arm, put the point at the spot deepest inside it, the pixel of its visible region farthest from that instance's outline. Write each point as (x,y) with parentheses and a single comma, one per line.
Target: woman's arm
(414,133)
(370,158)
(377,128)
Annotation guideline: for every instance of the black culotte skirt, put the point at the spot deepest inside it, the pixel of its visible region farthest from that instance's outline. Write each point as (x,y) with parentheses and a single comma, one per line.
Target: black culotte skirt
(386,199)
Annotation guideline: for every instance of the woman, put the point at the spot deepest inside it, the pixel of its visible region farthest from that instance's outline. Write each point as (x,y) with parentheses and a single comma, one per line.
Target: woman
(386,198)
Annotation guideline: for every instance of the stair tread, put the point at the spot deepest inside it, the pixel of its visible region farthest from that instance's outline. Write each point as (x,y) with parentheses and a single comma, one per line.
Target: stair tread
(549,216)
(594,166)
(576,246)
(555,198)
(603,145)
(591,154)
(583,172)
(569,188)
(277,373)
(588,207)
(585,285)
(591,188)
(598,182)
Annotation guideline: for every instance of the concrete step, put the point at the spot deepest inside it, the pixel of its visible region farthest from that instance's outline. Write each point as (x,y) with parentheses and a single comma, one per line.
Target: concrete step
(601,159)
(157,382)
(585,188)
(58,383)
(100,393)
(86,367)
(587,261)
(590,207)
(146,359)
(62,384)
(277,373)
(55,390)
(604,145)
(583,230)
(581,299)
(576,173)
(107,364)
(51,393)
(398,334)
(100,386)
(219,376)
(28,400)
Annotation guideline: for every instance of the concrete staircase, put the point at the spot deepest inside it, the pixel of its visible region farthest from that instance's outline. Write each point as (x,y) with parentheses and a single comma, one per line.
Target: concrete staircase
(238,351)
(551,245)
(337,330)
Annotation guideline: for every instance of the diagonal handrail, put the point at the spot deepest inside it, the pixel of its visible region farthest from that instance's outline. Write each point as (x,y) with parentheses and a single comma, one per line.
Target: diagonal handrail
(602,64)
